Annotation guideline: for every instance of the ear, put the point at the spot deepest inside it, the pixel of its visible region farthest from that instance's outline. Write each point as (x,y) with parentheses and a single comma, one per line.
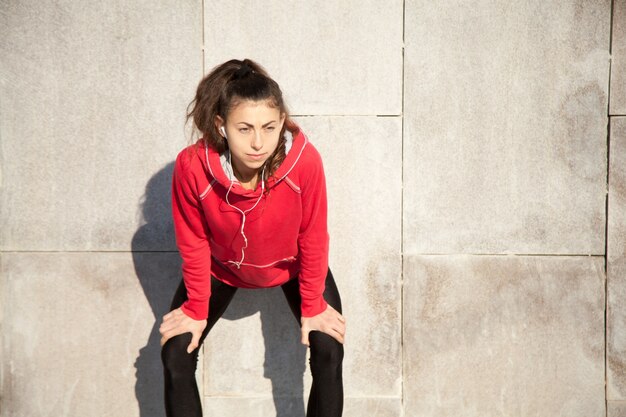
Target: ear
(219,122)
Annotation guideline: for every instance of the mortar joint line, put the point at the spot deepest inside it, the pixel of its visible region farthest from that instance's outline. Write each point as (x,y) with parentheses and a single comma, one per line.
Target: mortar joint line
(606,206)
(402,382)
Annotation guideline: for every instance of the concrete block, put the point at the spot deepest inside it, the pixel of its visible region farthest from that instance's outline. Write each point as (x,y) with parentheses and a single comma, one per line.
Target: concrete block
(80,332)
(616,263)
(616,409)
(92,112)
(505,127)
(373,406)
(290,407)
(618,60)
(330,58)
(260,334)
(253,407)
(503,335)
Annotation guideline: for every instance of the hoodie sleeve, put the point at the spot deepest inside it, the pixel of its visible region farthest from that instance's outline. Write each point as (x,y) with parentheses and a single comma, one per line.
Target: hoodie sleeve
(192,239)
(313,237)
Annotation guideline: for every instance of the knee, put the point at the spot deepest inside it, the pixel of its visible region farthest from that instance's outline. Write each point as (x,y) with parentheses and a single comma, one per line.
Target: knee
(326,352)
(176,361)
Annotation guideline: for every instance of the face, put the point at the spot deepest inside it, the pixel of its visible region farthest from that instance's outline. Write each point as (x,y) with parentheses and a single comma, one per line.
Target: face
(252,133)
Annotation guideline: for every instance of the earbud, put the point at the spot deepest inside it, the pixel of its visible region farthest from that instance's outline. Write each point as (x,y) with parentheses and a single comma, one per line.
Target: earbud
(223,131)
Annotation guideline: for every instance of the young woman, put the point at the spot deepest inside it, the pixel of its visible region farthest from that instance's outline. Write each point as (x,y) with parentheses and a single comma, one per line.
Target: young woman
(249,208)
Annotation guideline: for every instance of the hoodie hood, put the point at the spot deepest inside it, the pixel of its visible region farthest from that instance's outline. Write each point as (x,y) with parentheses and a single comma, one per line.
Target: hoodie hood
(218,166)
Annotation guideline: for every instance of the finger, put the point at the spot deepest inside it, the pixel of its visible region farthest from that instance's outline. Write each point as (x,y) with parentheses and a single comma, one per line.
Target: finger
(169,317)
(167,326)
(195,340)
(171,333)
(165,336)
(336,335)
(339,337)
(341,328)
(304,339)
(341,318)
(338,331)
(164,324)
(335,325)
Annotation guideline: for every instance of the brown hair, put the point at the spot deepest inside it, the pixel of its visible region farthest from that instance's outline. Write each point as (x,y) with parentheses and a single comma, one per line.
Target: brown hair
(225,87)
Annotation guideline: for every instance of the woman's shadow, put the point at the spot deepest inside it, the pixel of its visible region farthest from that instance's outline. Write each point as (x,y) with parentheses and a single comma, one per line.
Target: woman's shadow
(157,265)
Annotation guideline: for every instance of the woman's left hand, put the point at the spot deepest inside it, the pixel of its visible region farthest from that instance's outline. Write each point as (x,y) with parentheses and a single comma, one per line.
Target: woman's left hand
(329,321)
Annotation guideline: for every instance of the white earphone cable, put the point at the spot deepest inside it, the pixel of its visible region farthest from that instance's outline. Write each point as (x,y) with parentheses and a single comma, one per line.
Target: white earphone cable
(243,214)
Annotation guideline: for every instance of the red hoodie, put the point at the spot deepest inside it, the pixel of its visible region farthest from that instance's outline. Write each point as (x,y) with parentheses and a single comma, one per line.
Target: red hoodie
(282,235)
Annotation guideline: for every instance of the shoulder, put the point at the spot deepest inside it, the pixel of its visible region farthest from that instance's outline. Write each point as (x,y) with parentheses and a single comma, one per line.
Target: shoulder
(188,162)
(311,154)
(310,157)
(309,169)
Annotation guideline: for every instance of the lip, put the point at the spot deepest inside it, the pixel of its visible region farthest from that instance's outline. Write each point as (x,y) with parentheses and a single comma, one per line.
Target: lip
(256,157)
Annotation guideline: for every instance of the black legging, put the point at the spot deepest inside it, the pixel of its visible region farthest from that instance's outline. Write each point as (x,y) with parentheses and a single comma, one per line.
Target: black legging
(181,392)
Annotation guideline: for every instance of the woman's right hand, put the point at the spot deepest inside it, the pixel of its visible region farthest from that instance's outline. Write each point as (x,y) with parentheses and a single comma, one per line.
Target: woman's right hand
(176,322)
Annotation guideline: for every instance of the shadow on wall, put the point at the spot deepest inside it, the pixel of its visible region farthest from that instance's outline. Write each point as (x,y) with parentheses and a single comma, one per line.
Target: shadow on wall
(157,266)
(284,354)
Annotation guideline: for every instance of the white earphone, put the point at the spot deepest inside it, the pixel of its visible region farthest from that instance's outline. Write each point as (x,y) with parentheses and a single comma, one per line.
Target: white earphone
(223,131)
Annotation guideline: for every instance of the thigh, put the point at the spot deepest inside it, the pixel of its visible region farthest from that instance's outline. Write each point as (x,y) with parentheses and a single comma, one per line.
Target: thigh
(291,289)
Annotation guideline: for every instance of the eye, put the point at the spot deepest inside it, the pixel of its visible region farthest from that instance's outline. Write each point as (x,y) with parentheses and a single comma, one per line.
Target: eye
(244,129)
(270,128)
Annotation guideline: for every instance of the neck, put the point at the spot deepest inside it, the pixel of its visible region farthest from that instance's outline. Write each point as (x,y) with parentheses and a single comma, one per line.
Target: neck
(247,180)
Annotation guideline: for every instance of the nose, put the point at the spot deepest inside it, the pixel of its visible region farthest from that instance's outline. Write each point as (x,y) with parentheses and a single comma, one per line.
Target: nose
(257,141)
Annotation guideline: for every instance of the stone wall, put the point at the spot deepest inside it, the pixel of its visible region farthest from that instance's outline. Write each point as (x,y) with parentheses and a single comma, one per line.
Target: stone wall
(475,155)
(616,222)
